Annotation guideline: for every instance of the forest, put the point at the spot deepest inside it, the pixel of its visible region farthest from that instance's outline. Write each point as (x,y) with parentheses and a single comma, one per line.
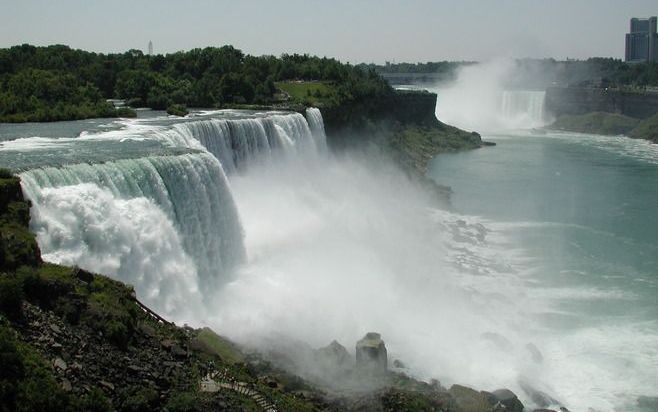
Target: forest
(60,83)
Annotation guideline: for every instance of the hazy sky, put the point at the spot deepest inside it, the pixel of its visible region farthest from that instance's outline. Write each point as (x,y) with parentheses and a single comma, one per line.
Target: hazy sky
(352,30)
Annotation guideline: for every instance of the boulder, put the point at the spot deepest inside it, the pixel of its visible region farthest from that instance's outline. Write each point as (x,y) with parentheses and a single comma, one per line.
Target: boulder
(470,400)
(509,399)
(541,399)
(647,403)
(334,354)
(371,353)
(534,352)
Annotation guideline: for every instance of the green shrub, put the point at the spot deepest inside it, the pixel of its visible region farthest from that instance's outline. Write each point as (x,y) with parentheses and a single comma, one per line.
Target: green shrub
(177,110)
(11,296)
(117,333)
(125,112)
(26,382)
(182,402)
(95,401)
(647,129)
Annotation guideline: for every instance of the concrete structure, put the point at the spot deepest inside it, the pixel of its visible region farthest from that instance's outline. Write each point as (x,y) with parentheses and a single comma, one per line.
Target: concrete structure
(642,41)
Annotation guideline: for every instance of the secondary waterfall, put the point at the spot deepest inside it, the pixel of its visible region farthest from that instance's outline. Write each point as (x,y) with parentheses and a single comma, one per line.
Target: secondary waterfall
(167,224)
(523,108)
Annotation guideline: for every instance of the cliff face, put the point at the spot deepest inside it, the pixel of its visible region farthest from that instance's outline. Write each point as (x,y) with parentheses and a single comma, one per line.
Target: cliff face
(403,125)
(576,101)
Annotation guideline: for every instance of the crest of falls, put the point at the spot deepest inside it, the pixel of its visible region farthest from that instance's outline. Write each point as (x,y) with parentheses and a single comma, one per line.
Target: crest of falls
(166,224)
(239,141)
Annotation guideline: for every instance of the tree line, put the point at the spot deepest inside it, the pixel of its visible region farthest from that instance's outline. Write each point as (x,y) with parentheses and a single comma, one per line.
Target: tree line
(595,71)
(58,82)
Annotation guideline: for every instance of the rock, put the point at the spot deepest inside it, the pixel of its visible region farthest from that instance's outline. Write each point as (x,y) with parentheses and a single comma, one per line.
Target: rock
(135,368)
(509,399)
(499,340)
(66,385)
(334,354)
(56,347)
(398,364)
(541,399)
(534,353)
(470,400)
(106,385)
(371,353)
(543,410)
(59,363)
(146,330)
(83,275)
(178,351)
(647,403)
(55,328)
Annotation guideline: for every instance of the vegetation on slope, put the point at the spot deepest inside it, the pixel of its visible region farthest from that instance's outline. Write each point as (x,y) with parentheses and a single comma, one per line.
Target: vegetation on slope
(647,129)
(57,82)
(596,122)
(609,124)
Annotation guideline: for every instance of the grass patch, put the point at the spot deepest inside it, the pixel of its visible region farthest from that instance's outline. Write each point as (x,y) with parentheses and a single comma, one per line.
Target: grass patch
(209,342)
(310,93)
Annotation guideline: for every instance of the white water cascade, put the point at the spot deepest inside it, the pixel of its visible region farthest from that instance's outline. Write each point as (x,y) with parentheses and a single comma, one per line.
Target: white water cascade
(239,142)
(480,100)
(167,224)
(523,108)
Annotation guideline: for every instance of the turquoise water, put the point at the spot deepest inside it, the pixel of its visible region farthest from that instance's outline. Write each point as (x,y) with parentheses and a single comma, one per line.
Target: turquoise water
(582,209)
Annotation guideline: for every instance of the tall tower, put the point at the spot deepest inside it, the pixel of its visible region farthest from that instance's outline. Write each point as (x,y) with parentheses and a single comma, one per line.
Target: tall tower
(642,41)
(150,48)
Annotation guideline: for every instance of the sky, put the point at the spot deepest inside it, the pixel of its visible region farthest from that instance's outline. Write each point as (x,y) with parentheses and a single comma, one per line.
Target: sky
(350,30)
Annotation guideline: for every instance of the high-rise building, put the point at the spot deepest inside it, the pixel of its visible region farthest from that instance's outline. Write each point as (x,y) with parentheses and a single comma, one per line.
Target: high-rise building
(150,48)
(642,41)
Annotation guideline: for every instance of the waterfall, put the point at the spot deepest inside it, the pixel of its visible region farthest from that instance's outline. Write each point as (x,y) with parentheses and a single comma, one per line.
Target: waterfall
(166,224)
(523,108)
(239,142)
(316,124)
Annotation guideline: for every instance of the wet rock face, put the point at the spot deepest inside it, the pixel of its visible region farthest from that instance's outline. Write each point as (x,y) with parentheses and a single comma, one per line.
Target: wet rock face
(509,400)
(371,353)
(334,354)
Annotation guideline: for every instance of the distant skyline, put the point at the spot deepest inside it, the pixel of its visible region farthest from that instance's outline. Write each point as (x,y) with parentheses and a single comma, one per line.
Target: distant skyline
(354,31)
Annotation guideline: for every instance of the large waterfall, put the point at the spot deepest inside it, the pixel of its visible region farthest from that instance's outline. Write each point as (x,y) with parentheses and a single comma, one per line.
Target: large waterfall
(523,108)
(154,222)
(166,223)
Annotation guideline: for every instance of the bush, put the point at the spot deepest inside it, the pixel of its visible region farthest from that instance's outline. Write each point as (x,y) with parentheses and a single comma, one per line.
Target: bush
(95,401)
(182,402)
(117,333)
(137,399)
(125,112)
(177,110)
(11,296)
(26,382)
